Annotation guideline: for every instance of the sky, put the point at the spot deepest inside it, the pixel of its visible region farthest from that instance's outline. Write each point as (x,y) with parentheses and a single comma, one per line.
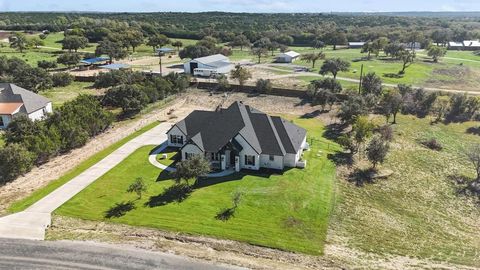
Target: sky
(240,5)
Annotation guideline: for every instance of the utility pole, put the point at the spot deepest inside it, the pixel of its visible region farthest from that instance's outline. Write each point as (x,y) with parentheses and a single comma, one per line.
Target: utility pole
(360,81)
(160,54)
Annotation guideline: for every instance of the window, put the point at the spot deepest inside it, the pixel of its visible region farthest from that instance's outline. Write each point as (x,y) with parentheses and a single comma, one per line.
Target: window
(249,160)
(1,122)
(188,155)
(214,156)
(272,158)
(176,139)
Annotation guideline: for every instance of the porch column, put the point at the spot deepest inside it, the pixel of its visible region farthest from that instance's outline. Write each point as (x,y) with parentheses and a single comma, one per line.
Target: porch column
(237,163)
(223,162)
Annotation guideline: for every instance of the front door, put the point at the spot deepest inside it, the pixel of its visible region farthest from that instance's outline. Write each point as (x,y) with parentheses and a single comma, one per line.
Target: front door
(232,159)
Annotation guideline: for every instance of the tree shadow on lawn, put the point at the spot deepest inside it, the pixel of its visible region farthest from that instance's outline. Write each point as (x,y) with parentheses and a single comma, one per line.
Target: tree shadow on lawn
(474,130)
(393,75)
(334,131)
(119,209)
(341,158)
(225,214)
(176,193)
(362,176)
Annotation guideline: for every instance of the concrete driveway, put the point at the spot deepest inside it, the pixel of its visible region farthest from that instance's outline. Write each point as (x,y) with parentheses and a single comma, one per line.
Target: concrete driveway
(31,223)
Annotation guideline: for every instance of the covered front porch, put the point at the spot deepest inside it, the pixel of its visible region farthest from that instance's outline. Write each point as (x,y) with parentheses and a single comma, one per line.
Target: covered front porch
(226,158)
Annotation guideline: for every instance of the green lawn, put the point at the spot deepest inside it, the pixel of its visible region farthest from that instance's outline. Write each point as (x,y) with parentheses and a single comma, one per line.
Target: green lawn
(31,56)
(39,194)
(289,211)
(172,156)
(418,211)
(60,95)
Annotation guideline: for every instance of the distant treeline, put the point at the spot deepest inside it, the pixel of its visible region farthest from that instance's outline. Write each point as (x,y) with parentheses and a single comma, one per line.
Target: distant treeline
(302,27)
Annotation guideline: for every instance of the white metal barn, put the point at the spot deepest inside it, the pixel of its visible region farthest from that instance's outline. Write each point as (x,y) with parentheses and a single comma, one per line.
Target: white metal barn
(208,66)
(287,57)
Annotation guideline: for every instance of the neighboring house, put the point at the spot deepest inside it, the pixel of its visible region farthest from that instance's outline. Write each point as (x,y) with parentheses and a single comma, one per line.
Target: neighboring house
(15,100)
(413,45)
(239,137)
(452,45)
(355,45)
(471,45)
(287,57)
(208,66)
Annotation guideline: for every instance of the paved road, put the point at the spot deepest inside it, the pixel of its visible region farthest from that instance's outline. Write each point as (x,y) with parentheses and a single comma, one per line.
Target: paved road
(313,74)
(31,223)
(28,254)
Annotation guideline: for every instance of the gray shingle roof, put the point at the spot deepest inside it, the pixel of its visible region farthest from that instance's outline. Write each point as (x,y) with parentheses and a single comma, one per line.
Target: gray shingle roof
(31,102)
(269,135)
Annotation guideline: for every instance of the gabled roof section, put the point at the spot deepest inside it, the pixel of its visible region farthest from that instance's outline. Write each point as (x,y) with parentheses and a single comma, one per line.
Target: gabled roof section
(212,59)
(290,134)
(213,130)
(10,93)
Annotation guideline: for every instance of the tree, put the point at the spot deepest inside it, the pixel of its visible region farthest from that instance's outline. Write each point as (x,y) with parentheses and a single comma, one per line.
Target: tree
(222,82)
(192,168)
(335,37)
(391,104)
(194,51)
(158,41)
(436,52)
(62,79)
(264,86)
(133,38)
(284,39)
(313,57)
(36,42)
(407,58)
(177,44)
(259,52)
(264,43)
(352,108)
(68,59)
(318,44)
(473,155)
(334,66)
(377,150)
(440,107)
(327,83)
(240,41)
(273,47)
(47,64)
(393,49)
(15,160)
(372,84)
(114,50)
(240,74)
(138,187)
(379,44)
(18,41)
(362,129)
(369,48)
(72,42)
(128,97)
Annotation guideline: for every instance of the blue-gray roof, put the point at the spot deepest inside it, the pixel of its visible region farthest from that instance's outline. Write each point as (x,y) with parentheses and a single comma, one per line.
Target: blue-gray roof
(115,66)
(94,60)
(165,50)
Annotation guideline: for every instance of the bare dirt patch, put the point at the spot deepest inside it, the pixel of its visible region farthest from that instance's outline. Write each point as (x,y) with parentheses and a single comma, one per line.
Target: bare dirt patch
(458,77)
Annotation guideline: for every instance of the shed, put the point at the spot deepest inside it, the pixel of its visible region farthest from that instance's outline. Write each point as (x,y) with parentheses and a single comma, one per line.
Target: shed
(208,66)
(96,60)
(452,45)
(355,44)
(471,45)
(115,66)
(165,50)
(287,57)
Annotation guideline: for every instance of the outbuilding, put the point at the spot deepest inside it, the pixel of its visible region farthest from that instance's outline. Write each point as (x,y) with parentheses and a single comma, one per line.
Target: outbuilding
(471,45)
(287,57)
(452,45)
(208,66)
(356,44)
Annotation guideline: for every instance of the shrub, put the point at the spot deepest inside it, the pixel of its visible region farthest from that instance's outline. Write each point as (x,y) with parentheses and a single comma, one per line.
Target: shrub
(62,79)
(264,86)
(432,144)
(15,160)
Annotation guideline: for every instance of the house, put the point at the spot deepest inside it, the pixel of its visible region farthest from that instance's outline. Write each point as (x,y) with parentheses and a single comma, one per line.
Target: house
(287,57)
(356,45)
(15,100)
(239,137)
(413,45)
(452,45)
(471,45)
(208,66)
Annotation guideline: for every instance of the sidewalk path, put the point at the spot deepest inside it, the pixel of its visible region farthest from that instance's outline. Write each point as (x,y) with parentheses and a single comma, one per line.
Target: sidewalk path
(153,160)
(31,223)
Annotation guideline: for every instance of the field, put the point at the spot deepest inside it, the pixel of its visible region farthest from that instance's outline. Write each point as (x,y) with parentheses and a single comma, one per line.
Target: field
(292,209)
(419,211)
